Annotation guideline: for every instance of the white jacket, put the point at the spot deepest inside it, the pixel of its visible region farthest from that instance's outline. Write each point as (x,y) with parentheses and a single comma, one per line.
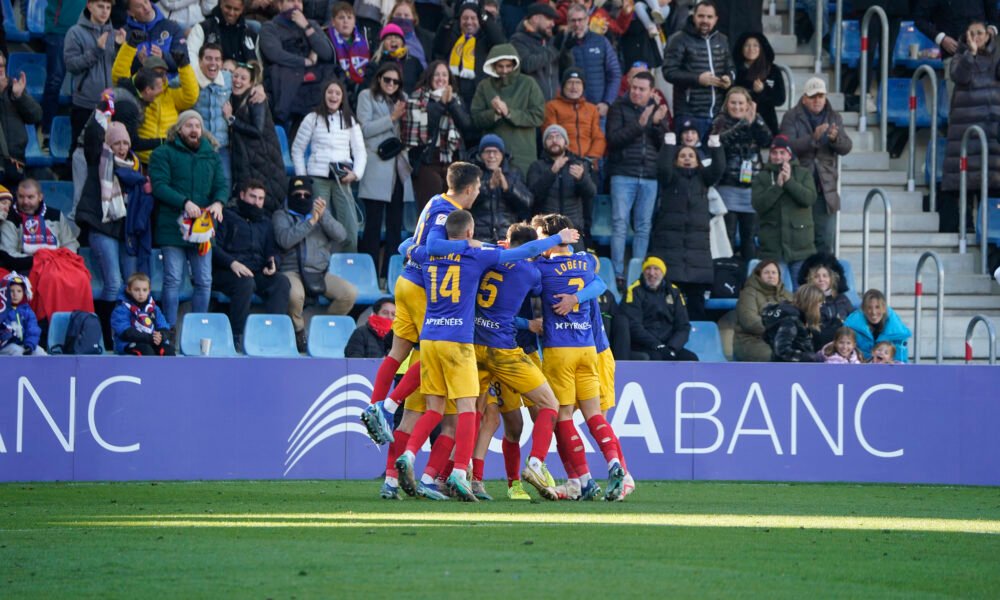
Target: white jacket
(328,142)
(187,13)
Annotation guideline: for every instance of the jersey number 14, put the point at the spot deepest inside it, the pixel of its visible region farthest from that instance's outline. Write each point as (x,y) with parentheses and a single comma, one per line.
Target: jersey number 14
(449,284)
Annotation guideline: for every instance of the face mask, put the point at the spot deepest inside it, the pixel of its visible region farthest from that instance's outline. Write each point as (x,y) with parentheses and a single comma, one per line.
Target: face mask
(303,206)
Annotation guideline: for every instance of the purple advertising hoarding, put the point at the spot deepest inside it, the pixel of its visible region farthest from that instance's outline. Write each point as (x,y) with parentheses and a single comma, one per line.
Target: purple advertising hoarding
(103,418)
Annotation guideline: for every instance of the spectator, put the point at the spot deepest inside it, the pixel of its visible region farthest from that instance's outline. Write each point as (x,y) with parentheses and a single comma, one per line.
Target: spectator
(393,50)
(843,350)
(875,323)
(338,157)
(37,226)
(306,251)
(783,196)
(600,21)
(153,34)
(561,182)
(657,318)
(580,119)
(503,196)
(763,288)
(138,323)
(681,233)
(187,13)
(17,109)
(60,16)
(789,328)
(350,46)
(642,39)
(298,57)
(373,338)
(8,233)
(596,59)
(417,40)
(213,103)
(823,271)
(700,66)
(626,83)
(226,25)
(245,259)
(817,135)
(433,127)
(947,22)
(636,126)
(382,189)
(187,181)
(743,135)
(540,58)
(88,54)
(253,140)
(160,103)
(756,71)
(466,41)
(20,334)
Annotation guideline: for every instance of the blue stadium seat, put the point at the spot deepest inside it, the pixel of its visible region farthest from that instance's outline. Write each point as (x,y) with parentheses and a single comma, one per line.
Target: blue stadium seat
(96,277)
(359,269)
(13,33)
(720,303)
(156,278)
(993,223)
(851,54)
(58,195)
(36,18)
(706,342)
(909,34)
(410,214)
(33,152)
(607,273)
(852,294)
(33,66)
(786,275)
(600,225)
(328,335)
(633,271)
(942,144)
(395,269)
(58,324)
(286,154)
(224,299)
(60,140)
(213,326)
(899,103)
(270,336)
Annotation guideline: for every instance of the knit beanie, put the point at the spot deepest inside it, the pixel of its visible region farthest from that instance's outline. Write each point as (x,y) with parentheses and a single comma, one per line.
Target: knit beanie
(116,133)
(391,29)
(491,140)
(573,73)
(554,128)
(782,141)
(189,114)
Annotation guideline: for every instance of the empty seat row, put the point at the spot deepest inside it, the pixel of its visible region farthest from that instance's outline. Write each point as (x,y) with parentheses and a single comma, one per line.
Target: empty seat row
(265,335)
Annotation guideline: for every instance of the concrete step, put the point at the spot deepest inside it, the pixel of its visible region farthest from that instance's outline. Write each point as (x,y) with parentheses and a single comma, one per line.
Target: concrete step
(954,325)
(863,189)
(852,201)
(796,61)
(953,348)
(955,283)
(873,178)
(901,221)
(783,44)
(905,242)
(861,159)
(906,262)
(964,304)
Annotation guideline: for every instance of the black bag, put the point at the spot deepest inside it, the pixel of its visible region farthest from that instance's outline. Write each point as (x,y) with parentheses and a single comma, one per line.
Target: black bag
(389,148)
(728,277)
(314,284)
(83,335)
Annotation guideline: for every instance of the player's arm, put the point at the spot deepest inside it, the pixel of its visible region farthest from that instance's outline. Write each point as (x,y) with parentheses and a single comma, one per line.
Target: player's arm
(566,302)
(436,248)
(536,247)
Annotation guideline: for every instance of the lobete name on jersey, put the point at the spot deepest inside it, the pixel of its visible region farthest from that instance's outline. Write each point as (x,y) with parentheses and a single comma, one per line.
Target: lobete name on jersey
(573,263)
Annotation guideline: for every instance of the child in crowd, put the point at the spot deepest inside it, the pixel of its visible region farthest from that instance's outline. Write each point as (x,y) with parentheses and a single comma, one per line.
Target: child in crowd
(884,353)
(139,326)
(19,330)
(875,322)
(843,350)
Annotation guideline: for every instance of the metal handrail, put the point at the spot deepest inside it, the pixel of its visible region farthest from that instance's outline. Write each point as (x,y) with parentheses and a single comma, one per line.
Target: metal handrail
(888,242)
(884,70)
(838,32)
(836,215)
(984,192)
(912,165)
(790,98)
(990,330)
(791,18)
(918,294)
(818,26)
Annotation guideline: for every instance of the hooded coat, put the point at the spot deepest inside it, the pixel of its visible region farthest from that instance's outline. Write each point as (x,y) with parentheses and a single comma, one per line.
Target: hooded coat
(773,94)
(18,324)
(525,103)
(688,55)
(976,101)
(749,344)
(785,213)
(180,174)
(89,64)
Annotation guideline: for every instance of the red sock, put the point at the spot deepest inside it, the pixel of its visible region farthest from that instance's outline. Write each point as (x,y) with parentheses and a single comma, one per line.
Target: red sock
(408,384)
(567,441)
(604,436)
(511,460)
(621,455)
(465,439)
(383,379)
(478,466)
(541,436)
(395,449)
(577,454)
(422,430)
(447,470)
(440,452)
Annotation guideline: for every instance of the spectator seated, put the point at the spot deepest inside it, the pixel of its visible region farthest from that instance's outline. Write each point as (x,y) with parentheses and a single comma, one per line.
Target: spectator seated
(269,336)
(211,326)
(328,335)
(359,269)
(706,342)
(786,275)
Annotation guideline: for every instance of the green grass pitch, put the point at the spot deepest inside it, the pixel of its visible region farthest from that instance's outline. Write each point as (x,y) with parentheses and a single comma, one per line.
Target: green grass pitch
(321,539)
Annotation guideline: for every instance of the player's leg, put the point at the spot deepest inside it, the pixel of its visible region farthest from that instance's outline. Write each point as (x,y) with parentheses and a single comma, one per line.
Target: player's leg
(390,489)
(421,431)
(606,373)
(606,439)
(465,432)
(489,423)
(440,453)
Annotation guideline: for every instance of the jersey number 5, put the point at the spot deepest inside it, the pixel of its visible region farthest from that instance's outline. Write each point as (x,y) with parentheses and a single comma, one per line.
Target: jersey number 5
(488,289)
(449,284)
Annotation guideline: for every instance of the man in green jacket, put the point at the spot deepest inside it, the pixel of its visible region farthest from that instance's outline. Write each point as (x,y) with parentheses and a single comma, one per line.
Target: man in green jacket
(509,104)
(783,196)
(187,180)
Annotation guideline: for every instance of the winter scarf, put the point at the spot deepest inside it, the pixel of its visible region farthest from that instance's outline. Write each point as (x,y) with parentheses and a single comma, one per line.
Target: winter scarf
(35,234)
(411,41)
(417,131)
(380,325)
(462,62)
(352,57)
(111,190)
(143,318)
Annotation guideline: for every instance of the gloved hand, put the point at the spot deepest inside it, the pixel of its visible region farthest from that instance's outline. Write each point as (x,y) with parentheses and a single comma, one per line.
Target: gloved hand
(180,56)
(135,37)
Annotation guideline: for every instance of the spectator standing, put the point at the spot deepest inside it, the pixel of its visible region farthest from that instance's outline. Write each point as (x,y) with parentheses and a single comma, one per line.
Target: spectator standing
(946,22)
(187,13)
(253,141)
(88,54)
(657,317)
(338,157)
(597,60)
(154,35)
(373,338)
(763,288)
(503,196)
(580,118)
(393,50)
(700,66)
(216,85)
(60,16)
(636,126)
(509,104)
(417,40)
(187,180)
(561,182)
(541,58)
(17,109)
(350,46)
(226,25)
(465,43)
(817,136)
(756,71)
(875,322)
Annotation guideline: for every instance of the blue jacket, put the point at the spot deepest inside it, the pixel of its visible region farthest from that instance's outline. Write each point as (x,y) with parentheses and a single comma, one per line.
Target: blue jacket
(131,323)
(18,325)
(210,100)
(594,54)
(161,32)
(894,332)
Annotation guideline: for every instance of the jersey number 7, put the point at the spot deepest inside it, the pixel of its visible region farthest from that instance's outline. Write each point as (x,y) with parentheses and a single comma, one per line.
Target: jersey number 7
(449,284)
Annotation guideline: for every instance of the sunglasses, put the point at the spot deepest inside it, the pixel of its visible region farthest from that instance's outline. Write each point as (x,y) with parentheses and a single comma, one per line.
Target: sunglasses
(391,80)
(301,196)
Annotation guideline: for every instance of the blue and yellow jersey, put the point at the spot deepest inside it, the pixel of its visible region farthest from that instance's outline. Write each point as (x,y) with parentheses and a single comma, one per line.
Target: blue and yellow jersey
(566,274)
(450,282)
(430,225)
(502,292)
(601,342)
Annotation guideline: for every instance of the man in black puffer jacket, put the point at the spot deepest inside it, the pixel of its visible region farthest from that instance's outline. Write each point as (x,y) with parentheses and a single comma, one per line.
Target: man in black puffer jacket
(700,66)
(503,196)
(561,183)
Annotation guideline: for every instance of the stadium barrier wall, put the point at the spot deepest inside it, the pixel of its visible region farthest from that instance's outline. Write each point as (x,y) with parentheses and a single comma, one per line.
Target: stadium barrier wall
(104,418)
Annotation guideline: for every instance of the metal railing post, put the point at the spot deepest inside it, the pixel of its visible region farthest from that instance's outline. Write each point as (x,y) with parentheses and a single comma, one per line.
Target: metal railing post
(791,19)
(838,32)
(912,164)
(990,331)
(836,222)
(820,16)
(963,172)
(865,242)
(918,294)
(790,98)
(884,71)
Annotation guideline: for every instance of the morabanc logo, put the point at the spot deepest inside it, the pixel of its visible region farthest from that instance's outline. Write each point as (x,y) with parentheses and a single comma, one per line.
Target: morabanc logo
(336,410)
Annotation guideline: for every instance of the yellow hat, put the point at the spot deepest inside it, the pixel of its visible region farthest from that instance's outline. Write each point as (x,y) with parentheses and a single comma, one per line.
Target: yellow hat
(5,194)
(652,261)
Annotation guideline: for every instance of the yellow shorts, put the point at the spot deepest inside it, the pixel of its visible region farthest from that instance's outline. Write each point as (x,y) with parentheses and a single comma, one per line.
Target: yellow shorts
(416,401)
(515,371)
(606,373)
(572,373)
(411,304)
(448,369)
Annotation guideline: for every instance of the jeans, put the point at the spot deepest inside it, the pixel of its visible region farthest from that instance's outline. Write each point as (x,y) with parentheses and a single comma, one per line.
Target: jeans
(173,269)
(114,263)
(227,171)
(55,72)
(626,193)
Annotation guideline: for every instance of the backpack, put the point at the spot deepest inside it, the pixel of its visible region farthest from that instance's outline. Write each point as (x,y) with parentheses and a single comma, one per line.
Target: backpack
(83,335)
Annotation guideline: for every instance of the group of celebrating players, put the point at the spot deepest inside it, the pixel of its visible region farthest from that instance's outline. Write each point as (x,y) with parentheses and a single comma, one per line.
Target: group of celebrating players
(469,307)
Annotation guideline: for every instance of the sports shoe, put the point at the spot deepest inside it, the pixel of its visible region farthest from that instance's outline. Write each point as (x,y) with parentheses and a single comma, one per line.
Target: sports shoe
(628,486)
(442,486)
(376,420)
(549,479)
(588,492)
(430,491)
(516,491)
(461,488)
(538,480)
(389,492)
(404,464)
(480,491)
(615,476)
(569,490)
